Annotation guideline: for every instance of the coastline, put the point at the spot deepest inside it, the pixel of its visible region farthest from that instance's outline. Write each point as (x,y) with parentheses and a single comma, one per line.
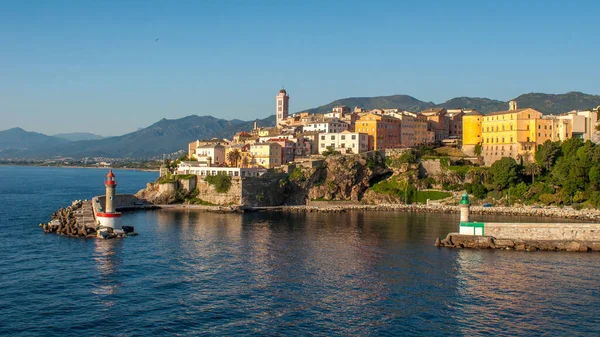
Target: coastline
(555,213)
(81,167)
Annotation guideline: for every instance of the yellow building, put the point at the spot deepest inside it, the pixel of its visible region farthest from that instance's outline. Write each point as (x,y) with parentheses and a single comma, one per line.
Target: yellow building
(512,133)
(471,131)
(267,155)
(383,131)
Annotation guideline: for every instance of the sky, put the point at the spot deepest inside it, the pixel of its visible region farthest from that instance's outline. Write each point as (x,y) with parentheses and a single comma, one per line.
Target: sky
(97,66)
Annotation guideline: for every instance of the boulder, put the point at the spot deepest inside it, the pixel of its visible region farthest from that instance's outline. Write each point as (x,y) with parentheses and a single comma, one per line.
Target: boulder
(573,246)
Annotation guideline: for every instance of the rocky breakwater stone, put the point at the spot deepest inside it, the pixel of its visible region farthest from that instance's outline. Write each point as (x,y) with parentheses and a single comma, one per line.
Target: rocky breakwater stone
(455,240)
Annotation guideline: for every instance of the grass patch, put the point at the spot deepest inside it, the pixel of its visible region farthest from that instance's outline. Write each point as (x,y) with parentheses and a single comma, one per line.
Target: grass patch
(198,201)
(422,196)
(221,182)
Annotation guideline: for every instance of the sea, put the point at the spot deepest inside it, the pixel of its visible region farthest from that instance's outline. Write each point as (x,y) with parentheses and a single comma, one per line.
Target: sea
(189,273)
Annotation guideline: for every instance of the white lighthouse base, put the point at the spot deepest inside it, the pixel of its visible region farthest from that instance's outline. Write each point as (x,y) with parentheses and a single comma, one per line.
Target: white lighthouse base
(109,220)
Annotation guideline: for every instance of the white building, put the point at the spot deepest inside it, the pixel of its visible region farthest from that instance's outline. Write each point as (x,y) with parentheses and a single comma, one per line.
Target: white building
(344,142)
(191,167)
(333,125)
(583,123)
(210,154)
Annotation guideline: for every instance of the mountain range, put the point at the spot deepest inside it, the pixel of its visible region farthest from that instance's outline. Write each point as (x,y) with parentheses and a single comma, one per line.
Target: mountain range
(76,136)
(546,103)
(169,136)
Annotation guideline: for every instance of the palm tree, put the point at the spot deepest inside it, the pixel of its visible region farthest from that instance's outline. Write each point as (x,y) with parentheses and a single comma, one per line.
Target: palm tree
(234,156)
(245,162)
(532,169)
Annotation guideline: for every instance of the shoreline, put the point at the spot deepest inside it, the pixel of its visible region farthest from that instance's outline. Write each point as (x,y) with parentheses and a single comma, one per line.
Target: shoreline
(555,213)
(80,167)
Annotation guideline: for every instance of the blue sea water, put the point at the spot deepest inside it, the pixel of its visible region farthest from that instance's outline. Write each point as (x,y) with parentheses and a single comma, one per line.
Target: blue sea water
(271,274)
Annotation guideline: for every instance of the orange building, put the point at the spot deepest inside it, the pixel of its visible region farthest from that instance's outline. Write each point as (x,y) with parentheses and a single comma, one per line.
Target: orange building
(383,131)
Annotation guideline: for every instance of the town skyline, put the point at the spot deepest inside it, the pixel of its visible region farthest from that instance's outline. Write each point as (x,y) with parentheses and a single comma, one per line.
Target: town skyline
(81,66)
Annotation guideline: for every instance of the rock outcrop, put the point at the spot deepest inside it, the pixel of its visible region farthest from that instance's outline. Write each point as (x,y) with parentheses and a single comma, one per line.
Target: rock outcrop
(340,177)
(159,194)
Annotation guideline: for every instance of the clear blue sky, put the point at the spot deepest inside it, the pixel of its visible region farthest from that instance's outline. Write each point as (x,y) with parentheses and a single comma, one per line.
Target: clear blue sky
(95,66)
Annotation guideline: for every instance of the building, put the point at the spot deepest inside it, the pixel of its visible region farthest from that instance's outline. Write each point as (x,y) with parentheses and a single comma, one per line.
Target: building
(283,106)
(582,122)
(438,123)
(455,125)
(288,149)
(383,131)
(471,131)
(210,154)
(345,142)
(191,167)
(413,128)
(267,155)
(333,125)
(242,151)
(513,133)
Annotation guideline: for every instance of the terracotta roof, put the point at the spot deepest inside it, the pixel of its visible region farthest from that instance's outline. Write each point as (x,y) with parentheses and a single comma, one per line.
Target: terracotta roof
(282,91)
(506,112)
(473,113)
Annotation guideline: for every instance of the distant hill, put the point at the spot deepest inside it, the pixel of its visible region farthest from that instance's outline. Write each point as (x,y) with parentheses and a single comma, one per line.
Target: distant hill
(546,103)
(164,136)
(19,139)
(76,136)
(397,101)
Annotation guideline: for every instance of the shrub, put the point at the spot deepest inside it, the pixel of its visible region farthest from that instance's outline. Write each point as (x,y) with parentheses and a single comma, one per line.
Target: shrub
(221,182)
(547,198)
(297,175)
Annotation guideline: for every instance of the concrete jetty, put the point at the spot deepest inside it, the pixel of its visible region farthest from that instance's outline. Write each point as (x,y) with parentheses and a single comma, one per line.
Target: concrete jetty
(579,237)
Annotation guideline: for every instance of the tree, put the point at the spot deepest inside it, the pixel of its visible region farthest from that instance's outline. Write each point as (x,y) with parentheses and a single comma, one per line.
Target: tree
(547,154)
(478,149)
(245,162)
(532,170)
(330,151)
(504,173)
(234,156)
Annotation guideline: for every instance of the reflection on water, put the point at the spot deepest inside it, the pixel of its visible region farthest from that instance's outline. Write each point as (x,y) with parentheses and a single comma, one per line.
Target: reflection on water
(107,261)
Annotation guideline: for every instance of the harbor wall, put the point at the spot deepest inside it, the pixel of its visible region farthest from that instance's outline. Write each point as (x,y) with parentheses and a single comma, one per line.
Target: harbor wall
(544,231)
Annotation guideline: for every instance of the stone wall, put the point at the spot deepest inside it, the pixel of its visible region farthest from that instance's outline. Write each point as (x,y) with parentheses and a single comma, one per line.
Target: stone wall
(188,185)
(208,193)
(544,231)
(268,190)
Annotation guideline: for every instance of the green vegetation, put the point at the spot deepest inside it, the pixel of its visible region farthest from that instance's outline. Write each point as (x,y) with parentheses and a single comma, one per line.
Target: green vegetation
(173,178)
(221,182)
(422,196)
(331,152)
(405,190)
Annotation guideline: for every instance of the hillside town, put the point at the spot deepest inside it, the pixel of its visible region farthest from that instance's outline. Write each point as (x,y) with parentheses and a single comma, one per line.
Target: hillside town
(516,133)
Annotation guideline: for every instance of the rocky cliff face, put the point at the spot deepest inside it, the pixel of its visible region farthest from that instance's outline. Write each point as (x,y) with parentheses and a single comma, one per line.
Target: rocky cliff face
(159,194)
(340,177)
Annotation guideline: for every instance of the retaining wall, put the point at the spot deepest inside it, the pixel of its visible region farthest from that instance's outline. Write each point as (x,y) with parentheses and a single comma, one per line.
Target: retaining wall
(543,231)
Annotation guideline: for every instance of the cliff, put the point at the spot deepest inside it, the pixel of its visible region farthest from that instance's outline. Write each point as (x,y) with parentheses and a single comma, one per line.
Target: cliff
(339,178)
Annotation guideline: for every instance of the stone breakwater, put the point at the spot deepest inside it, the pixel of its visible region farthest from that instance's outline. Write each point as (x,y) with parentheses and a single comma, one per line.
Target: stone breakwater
(71,221)
(559,213)
(455,240)
(77,220)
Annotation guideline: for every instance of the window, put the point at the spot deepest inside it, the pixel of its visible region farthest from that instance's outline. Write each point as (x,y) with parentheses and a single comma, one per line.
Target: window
(322,137)
(343,137)
(353,137)
(332,137)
